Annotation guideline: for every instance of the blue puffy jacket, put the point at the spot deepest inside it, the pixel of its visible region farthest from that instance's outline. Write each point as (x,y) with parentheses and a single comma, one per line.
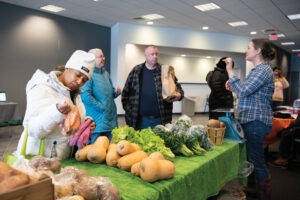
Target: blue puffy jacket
(98,98)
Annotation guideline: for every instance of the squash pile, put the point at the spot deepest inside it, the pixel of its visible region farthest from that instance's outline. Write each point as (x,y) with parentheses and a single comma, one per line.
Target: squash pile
(128,156)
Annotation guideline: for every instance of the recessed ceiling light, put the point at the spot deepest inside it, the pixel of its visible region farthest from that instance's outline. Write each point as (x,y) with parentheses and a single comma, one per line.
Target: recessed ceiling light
(52,8)
(207,7)
(253,32)
(296,50)
(96,0)
(208,56)
(294,17)
(280,35)
(150,22)
(287,43)
(183,55)
(239,23)
(152,16)
(205,27)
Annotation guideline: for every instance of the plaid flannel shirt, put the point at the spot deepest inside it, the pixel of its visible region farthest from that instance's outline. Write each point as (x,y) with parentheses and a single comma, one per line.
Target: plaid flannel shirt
(255,95)
(131,96)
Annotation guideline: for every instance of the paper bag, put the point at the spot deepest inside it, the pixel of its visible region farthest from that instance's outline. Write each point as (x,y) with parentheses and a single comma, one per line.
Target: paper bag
(168,83)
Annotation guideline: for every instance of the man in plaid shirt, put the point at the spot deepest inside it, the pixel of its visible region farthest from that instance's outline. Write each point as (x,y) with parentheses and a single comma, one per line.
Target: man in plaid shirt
(142,95)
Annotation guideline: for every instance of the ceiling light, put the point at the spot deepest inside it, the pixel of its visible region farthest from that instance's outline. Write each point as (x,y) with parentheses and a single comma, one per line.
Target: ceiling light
(183,55)
(150,22)
(152,16)
(253,32)
(287,43)
(294,17)
(208,56)
(52,8)
(207,7)
(239,23)
(96,0)
(296,50)
(280,35)
(205,27)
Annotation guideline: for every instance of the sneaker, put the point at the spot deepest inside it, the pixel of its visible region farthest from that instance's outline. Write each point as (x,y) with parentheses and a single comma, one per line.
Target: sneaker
(280,162)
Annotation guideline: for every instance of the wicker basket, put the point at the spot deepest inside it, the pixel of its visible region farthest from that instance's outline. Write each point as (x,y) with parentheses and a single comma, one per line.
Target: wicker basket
(216,135)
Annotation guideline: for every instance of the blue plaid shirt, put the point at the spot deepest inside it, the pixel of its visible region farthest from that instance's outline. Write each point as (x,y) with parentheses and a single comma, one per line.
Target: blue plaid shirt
(255,95)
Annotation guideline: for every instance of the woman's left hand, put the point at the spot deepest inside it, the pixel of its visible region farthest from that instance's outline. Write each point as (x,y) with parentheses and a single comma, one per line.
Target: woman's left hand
(92,126)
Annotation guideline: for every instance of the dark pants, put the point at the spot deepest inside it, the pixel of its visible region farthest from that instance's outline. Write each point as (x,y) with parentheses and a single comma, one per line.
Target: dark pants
(288,146)
(276,103)
(148,121)
(94,137)
(255,133)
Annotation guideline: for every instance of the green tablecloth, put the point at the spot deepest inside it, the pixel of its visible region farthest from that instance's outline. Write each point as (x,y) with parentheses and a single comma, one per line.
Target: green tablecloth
(196,177)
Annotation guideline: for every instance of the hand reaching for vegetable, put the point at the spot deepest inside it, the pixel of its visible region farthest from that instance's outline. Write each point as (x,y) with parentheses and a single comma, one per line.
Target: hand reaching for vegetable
(64,108)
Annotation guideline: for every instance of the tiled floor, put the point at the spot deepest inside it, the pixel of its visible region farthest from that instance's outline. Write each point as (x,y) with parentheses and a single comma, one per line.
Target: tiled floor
(285,183)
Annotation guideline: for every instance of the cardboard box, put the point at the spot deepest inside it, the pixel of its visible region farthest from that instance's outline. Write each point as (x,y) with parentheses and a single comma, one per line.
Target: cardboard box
(41,190)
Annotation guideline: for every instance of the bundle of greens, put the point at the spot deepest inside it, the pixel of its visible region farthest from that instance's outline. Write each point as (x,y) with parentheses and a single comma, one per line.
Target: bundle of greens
(146,139)
(182,127)
(173,140)
(193,144)
(199,132)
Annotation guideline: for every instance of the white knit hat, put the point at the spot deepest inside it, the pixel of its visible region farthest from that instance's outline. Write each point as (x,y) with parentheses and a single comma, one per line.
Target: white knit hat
(83,62)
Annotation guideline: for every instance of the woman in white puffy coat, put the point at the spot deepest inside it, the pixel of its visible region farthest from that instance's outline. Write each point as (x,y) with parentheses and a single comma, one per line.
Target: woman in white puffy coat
(49,99)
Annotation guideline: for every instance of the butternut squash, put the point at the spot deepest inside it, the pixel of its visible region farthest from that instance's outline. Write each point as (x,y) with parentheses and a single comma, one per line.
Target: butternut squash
(128,160)
(157,155)
(124,147)
(135,169)
(136,146)
(81,154)
(96,154)
(152,170)
(112,156)
(102,141)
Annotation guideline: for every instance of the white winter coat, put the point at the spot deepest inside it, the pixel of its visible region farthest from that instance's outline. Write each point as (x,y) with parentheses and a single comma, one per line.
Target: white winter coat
(43,92)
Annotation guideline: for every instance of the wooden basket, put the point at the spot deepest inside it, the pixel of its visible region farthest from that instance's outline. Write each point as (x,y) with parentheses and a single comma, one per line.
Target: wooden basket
(43,189)
(216,135)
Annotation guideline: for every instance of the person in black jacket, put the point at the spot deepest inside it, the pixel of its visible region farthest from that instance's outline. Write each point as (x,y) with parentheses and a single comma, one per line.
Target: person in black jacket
(219,96)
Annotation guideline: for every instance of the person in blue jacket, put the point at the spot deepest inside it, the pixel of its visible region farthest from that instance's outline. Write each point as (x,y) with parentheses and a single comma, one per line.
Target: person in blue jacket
(98,98)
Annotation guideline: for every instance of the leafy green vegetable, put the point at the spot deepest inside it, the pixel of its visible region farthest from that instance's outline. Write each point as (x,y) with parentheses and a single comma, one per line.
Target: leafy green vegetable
(199,132)
(173,140)
(146,139)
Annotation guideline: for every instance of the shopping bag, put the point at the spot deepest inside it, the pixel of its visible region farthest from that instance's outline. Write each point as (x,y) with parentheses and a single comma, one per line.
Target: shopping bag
(168,83)
(10,159)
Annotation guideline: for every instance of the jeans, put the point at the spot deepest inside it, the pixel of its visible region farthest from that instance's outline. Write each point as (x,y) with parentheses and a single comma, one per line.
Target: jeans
(255,133)
(94,137)
(149,121)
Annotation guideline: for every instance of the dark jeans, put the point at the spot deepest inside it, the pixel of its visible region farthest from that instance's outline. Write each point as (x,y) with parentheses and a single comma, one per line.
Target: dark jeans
(288,145)
(148,121)
(255,133)
(94,137)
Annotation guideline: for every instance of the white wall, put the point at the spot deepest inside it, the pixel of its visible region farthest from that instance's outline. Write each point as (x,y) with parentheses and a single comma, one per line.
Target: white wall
(189,69)
(122,34)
